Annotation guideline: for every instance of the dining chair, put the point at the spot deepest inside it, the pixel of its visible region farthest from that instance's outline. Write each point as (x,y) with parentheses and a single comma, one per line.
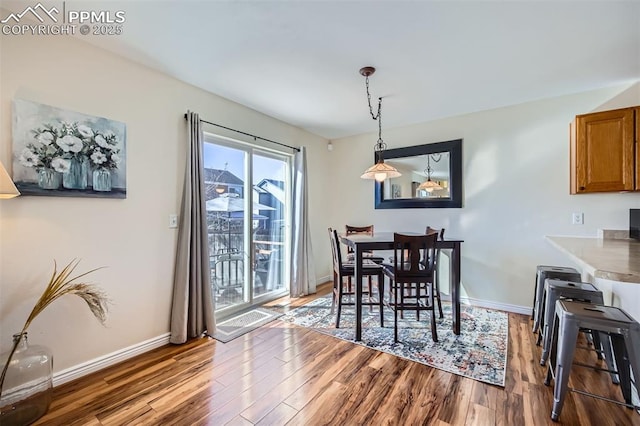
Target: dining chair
(412,277)
(365,230)
(342,270)
(436,280)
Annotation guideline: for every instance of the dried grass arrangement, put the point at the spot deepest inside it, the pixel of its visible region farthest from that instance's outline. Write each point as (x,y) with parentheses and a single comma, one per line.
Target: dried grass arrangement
(60,284)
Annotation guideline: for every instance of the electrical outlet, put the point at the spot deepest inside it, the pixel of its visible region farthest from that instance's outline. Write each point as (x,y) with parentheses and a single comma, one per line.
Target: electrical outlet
(577,218)
(173,221)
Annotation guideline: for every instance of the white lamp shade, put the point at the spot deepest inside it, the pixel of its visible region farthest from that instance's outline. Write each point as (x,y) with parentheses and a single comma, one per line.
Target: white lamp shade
(380,171)
(7,188)
(429,186)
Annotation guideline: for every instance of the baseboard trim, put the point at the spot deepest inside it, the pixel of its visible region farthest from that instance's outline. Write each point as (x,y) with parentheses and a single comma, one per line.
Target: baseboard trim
(99,363)
(518,309)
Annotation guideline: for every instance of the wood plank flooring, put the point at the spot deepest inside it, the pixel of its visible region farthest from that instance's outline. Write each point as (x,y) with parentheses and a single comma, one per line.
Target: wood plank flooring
(286,375)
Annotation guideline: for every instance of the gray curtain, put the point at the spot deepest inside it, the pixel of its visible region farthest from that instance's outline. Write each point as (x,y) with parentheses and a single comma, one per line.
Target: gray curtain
(192,307)
(303,274)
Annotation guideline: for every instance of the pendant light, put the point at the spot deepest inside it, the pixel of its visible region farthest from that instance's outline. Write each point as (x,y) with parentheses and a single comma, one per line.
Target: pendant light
(429,185)
(380,171)
(7,188)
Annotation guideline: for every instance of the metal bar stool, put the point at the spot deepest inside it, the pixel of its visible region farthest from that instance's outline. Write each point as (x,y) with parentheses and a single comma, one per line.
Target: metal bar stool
(576,291)
(542,273)
(624,332)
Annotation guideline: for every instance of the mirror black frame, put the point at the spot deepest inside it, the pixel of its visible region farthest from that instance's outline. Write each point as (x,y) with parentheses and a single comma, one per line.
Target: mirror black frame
(454,148)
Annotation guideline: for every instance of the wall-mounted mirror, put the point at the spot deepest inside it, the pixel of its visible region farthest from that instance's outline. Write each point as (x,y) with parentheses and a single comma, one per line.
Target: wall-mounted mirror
(431,177)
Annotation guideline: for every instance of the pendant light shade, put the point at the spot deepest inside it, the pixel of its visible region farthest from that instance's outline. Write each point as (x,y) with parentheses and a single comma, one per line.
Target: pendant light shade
(7,188)
(380,171)
(430,185)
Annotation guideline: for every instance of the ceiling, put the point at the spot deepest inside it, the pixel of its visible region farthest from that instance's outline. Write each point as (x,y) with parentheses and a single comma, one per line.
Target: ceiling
(298,61)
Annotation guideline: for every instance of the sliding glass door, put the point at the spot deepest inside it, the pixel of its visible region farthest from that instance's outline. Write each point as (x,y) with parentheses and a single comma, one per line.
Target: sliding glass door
(248,197)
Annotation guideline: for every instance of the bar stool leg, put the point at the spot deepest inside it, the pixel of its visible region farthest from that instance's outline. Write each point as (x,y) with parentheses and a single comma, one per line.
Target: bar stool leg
(535,292)
(605,342)
(622,361)
(567,338)
(634,355)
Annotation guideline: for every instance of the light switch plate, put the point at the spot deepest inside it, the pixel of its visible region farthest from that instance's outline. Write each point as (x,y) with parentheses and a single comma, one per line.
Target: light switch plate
(173,221)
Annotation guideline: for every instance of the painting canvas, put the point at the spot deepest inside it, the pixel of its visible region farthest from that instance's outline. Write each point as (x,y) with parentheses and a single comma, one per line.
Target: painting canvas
(57,152)
(396,191)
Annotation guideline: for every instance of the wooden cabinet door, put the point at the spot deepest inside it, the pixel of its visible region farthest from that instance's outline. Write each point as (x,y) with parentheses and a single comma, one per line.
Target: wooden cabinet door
(603,154)
(637,141)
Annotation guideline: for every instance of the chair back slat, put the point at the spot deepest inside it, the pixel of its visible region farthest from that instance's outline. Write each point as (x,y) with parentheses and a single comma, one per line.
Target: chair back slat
(350,230)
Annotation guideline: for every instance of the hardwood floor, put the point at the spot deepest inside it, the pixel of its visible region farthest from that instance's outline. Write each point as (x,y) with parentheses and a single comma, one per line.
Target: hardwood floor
(281,374)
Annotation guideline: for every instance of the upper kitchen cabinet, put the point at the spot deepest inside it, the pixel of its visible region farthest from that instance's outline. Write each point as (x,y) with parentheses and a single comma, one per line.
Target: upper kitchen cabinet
(603,156)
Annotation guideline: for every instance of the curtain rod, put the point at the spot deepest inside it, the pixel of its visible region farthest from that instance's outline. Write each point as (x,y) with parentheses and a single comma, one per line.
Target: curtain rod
(248,134)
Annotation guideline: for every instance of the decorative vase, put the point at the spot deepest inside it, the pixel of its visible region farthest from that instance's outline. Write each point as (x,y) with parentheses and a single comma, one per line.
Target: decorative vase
(48,179)
(27,387)
(76,177)
(102,180)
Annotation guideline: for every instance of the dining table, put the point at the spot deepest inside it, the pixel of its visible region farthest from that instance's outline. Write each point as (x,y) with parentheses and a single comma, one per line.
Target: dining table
(361,243)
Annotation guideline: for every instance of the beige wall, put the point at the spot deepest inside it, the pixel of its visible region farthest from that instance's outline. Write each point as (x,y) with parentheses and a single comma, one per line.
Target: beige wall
(516,190)
(131,237)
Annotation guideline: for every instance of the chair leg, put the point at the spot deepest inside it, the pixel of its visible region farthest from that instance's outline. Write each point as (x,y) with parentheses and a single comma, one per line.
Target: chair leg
(335,294)
(381,297)
(437,293)
(395,315)
(434,331)
(340,295)
(370,293)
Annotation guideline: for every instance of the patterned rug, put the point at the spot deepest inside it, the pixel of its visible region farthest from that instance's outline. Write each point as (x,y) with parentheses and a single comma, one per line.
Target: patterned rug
(479,352)
(243,323)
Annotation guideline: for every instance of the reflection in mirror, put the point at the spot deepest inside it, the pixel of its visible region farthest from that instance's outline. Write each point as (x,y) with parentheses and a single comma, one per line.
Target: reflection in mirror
(431,177)
(423,176)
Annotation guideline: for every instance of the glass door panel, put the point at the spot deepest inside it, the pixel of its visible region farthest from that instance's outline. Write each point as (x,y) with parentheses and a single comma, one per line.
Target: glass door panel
(247,192)
(270,224)
(229,261)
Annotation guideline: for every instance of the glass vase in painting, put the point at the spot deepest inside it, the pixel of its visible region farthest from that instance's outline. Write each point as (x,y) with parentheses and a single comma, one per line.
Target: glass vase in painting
(76,177)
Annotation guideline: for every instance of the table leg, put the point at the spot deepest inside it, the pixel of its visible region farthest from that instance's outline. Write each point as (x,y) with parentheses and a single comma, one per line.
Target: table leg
(455,287)
(358,278)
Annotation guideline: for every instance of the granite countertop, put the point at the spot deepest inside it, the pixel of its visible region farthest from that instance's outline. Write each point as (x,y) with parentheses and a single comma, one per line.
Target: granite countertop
(608,258)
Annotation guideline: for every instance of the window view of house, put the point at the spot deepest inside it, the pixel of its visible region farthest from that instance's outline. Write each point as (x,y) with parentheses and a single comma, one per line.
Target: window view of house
(247,235)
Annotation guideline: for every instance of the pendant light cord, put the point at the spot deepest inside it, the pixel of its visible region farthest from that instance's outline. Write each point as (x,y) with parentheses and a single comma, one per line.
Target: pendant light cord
(380,145)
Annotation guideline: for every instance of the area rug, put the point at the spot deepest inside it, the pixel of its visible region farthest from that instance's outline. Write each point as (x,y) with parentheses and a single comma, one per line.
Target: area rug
(243,323)
(479,352)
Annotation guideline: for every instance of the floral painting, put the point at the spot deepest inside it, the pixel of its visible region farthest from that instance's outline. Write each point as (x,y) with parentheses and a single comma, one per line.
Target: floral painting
(57,152)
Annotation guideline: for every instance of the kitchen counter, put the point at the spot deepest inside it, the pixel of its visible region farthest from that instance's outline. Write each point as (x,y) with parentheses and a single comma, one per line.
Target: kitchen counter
(607,258)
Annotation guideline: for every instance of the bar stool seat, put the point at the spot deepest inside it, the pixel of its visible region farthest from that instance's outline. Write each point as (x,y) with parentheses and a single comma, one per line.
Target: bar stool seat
(623,330)
(542,273)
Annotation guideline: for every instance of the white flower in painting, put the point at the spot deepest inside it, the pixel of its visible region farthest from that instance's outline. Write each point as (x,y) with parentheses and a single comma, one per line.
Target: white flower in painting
(102,142)
(28,158)
(66,126)
(70,143)
(45,138)
(115,158)
(60,165)
(98,157)
(85,131)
